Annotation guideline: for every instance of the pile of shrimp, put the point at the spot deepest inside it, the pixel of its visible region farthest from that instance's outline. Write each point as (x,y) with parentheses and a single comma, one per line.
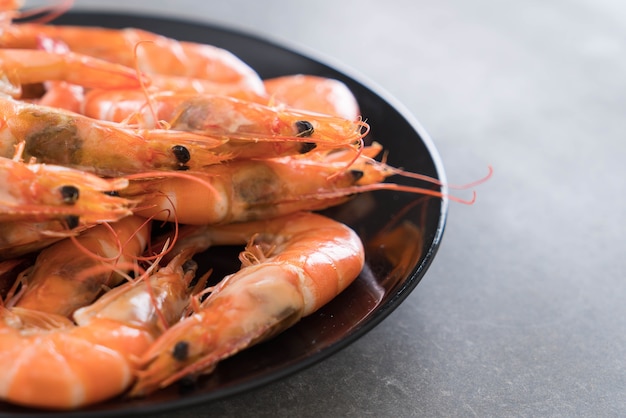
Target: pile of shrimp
(104,135)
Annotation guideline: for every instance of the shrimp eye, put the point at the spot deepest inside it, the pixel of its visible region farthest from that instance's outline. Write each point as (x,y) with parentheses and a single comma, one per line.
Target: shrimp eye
(181,351)
(181,153)
(69,194)
(305,128)
(357,174)
(71,221)
(307,146)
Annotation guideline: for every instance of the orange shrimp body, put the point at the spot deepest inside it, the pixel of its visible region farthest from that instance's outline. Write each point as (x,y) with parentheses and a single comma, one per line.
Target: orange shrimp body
(55,136)
(40,192)
(69,367)
(289,271)
(26,66)
(151,53)
(255,189)
(225,116)
(315,94)
(64,279)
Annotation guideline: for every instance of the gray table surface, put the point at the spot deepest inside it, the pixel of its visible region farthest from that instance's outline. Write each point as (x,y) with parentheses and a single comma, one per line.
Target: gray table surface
(523,310)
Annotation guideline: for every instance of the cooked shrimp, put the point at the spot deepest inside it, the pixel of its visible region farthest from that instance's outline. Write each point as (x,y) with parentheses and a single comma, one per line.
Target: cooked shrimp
(26,66)
(72,273)
(245,123)
(151,53)
(259,189)
(55,136)
(41,192)
(289,270)
(315,94)
(246,190)
(67,367)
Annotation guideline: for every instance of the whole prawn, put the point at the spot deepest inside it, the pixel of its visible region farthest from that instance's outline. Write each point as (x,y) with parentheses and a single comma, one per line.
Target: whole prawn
(245,123)
(68,366)
(258,189)
(289,270)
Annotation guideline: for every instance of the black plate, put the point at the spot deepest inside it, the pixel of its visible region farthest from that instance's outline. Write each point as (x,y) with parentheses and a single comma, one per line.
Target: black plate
(390,274)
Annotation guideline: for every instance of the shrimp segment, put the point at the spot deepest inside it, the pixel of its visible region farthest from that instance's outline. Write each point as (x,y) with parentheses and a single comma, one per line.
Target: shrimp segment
(68,367)
(58,369)
(289,270)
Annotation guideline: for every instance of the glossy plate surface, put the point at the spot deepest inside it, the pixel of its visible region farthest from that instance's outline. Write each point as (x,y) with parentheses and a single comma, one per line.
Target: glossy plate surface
(401,231)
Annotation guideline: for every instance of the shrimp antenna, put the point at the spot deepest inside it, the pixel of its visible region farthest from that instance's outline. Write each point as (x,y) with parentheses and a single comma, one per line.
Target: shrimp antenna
(438,182)
(144,89)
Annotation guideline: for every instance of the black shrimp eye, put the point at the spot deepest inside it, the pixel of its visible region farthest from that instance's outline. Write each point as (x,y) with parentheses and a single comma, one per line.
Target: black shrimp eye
(305,128)
(356,175)
(181,351)
(181,153)
(71,221)
(113,193)
(69,194)
(307,146)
